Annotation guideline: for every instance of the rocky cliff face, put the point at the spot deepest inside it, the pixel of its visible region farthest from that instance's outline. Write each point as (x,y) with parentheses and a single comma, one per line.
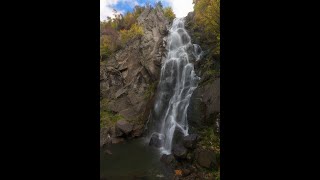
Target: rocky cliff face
(204,108)
(127,77)
(128,82)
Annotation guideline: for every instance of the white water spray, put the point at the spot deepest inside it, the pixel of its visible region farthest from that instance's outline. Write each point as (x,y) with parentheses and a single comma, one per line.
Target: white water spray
(177,83)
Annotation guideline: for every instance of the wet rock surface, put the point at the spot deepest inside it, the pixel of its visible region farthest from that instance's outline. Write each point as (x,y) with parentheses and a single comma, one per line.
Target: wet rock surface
(156,141)
(179,151)
(167,159)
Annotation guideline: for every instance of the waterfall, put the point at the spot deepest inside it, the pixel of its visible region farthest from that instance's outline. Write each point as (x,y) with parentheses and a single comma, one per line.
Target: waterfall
(177,83)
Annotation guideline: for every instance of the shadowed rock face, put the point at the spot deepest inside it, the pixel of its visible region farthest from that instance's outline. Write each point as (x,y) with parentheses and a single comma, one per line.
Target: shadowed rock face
(167,159)
(124,127)
(190,141)
(204,108)
(206,158)
(156,141)
(137,130)
(179,151)
(126,76)
(205,105)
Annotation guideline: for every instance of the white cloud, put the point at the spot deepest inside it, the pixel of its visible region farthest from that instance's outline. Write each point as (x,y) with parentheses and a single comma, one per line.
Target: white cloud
(181,7)
(106,7)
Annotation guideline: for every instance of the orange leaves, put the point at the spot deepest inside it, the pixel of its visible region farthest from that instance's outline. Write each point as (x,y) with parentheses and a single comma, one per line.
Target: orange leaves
(178,172)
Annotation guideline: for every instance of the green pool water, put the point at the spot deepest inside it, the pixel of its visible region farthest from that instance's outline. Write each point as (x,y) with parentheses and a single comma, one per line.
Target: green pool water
(133,159)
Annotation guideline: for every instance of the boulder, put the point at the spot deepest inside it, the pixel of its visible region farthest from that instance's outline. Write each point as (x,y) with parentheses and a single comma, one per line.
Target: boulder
(118,132)
(190,141)
(156,141)
(137,130)
(122,126)
(206,159)
(167,159)
(179,151)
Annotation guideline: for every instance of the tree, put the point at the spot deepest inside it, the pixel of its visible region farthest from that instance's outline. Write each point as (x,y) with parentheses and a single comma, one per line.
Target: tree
(207,15)
(168,12)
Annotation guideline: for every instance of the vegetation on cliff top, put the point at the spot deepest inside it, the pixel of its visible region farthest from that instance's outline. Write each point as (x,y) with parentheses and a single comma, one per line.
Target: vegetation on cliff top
(116,32)
(134,31)
(168,13)
(204,26)
(207,17)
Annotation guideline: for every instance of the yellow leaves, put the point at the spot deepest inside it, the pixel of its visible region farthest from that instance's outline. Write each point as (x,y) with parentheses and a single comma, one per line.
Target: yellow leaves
(169,13)
(133,32)
(178,172)
(207,13)
(207,17)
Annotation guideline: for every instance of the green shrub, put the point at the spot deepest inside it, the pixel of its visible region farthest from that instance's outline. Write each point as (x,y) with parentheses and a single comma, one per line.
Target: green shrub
(207,18)
(168,13)
(107,117)
(134,32)
(209,139)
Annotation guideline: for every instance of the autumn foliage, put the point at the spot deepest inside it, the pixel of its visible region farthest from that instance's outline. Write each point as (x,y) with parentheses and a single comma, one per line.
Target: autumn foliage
(169,13)
(178,172)
(127,35)
(207,15)
(116,32)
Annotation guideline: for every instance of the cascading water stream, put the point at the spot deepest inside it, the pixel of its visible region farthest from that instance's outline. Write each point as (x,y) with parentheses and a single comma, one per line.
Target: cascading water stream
(177,83)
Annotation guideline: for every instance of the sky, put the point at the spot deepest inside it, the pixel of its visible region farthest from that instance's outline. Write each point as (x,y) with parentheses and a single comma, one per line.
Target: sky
(180,7)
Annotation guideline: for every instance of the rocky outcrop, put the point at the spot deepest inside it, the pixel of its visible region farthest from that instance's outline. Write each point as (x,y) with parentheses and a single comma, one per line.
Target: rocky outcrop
(137,130)
(206,159)
(167,159)
(190,141)
(204,108)
(123,127)
(126,76)
(179,151)
(156,141)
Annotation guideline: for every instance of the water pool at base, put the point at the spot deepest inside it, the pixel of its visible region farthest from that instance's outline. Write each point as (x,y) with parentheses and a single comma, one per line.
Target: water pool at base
(133,159)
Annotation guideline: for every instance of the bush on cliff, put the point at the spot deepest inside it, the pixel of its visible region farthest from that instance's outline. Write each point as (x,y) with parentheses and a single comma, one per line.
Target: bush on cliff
(168,13)
(134,32)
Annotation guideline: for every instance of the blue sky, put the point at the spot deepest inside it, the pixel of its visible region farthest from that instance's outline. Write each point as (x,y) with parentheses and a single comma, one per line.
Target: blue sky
(180,7)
